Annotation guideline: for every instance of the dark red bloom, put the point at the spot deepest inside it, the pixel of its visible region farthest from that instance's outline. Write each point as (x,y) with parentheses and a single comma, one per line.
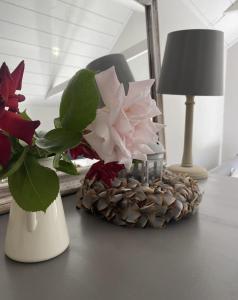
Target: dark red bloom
(5,82)
(84,150)
(9,83)
(104,172)
(10,120)
(5,150)
(18,127)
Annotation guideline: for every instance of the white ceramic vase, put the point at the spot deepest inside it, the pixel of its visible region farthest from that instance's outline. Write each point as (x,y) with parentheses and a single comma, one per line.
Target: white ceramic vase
(36,236)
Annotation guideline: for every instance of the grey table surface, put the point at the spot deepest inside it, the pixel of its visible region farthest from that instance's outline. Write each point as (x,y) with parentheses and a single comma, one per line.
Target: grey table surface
(196,259)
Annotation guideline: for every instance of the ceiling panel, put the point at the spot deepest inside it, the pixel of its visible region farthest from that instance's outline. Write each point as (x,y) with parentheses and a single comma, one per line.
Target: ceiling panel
(213,9)
(212,13)
(57,37)
(26,17)
(229,24)
(15,32)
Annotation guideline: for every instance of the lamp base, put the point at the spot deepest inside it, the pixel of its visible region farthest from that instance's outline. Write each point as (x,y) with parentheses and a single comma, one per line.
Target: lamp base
(195,172)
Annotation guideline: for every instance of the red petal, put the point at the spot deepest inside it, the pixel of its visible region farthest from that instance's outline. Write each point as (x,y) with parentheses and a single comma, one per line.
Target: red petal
(17,75)
(5,82)
(18,127)
(5,150)
(104,172)
(84,150)
(12,103)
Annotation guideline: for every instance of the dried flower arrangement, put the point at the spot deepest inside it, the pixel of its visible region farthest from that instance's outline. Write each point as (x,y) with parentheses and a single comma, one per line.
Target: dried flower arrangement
(128,203)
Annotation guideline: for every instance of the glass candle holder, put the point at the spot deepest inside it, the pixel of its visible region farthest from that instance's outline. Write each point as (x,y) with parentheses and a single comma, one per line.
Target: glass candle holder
(149,170)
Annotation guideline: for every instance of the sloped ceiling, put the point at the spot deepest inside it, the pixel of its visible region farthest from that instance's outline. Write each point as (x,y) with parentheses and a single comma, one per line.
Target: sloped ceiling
(212,12)
(57,37)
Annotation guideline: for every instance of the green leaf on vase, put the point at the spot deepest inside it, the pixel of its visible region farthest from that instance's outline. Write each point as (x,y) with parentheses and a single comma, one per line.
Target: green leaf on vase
(79,101)
(65,166)
(59,140)
(57,123)
(33,186)
(15,163)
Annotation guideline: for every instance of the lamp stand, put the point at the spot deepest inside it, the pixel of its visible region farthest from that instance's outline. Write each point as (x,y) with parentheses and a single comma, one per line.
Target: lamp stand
(187,166)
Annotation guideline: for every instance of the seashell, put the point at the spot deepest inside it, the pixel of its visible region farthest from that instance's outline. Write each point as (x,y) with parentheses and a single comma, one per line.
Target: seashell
(102,204)
(184,193)
(177,209)
(124,182)
(131,214)
(80,193)
(125,190)
(168,199)
(190,194)
(118,221)
(130,194)
(124,203)
(142,221)
(178,186)
(152,198)
(132,183)
(88,202)
(180,198)
(156,222)
(98,187)
(162,210)
(91,193)
(102,194)
(116,198)
(113,191)
(109,214)
(140,196)
(116,183)
(148,190)
(149,208)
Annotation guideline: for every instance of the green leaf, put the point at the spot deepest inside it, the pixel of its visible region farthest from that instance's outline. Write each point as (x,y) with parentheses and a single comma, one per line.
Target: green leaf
(16,146)
(33,186)
(79,101)
(25,116)
(64,166)
(57,123)
(15,164)
(59,140)
(39,153)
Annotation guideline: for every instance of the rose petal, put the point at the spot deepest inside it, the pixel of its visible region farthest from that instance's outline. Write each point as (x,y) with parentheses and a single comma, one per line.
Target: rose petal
(5,82)
(17,75)
(84,150)
(5,150)
(18,127)
(12,103)
(104,172)
(108,85)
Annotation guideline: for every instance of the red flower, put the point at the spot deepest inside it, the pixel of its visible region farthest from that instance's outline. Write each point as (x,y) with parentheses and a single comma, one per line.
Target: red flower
(85,150)
(5,150)
(9,83)
(104,172)
(10,121)
(18,127)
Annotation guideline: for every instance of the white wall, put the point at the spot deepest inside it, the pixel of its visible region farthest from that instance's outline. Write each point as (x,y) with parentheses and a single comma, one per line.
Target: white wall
(45,113)
(175,15)
(230,135)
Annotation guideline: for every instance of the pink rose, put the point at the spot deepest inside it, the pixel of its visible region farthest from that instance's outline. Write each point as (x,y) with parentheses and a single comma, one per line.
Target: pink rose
(123,130)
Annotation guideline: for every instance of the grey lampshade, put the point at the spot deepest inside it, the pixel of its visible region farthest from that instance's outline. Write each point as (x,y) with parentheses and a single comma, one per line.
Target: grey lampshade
(193,63)
(122,68)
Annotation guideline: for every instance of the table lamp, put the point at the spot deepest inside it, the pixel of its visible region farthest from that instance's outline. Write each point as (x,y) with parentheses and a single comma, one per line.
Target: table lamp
(117,60)
(192,66)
